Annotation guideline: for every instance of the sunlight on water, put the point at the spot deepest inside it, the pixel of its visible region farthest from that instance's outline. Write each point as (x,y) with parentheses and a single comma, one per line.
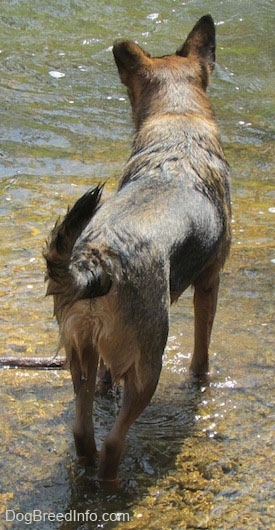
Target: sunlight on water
(198,457)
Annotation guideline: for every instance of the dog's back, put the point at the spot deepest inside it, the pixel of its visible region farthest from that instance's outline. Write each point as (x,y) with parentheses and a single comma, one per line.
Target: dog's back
(174,192)
(167,227)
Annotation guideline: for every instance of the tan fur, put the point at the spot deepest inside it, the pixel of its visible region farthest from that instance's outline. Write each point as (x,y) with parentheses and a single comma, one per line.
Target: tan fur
(100,324)
(115,267)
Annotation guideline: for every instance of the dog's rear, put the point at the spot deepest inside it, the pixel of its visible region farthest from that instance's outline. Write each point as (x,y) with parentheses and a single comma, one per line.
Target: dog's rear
(114,268)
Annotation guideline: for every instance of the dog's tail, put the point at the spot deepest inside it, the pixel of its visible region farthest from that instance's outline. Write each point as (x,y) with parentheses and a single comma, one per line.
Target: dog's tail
(79,279)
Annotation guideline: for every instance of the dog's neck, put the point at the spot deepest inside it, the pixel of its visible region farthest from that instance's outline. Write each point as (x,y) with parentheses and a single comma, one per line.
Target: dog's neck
(162,130)
(193,101)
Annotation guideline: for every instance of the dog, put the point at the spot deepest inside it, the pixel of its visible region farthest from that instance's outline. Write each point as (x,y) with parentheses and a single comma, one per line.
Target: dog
(114,267)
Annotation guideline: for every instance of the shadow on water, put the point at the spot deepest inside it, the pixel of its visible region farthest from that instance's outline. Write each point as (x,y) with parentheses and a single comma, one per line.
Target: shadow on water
(153,445)
(152,448)
(197,457)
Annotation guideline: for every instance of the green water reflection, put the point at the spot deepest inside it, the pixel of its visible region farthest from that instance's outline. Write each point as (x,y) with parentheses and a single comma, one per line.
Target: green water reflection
(200,458)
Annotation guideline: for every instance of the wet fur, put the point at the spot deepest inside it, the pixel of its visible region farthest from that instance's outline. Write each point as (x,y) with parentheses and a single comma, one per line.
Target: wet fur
(114,268)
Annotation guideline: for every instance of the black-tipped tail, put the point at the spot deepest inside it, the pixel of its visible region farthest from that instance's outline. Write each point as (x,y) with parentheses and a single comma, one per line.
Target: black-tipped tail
(60,244)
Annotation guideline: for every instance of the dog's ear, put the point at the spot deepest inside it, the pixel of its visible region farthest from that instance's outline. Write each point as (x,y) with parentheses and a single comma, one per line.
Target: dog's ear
(201,42)
(129,58)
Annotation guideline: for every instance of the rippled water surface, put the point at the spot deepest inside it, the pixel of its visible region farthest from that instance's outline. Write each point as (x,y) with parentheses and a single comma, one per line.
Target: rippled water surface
(197,457)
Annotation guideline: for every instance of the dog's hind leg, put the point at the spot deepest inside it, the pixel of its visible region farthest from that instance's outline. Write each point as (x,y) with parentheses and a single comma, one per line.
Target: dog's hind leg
(205,303)
(84,387)
(133,403)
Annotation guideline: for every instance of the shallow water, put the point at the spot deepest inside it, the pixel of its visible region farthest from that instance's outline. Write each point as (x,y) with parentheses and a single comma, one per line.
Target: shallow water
(197,457)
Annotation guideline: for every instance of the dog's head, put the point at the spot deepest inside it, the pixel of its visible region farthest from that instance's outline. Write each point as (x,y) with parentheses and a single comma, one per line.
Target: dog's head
(169,83)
